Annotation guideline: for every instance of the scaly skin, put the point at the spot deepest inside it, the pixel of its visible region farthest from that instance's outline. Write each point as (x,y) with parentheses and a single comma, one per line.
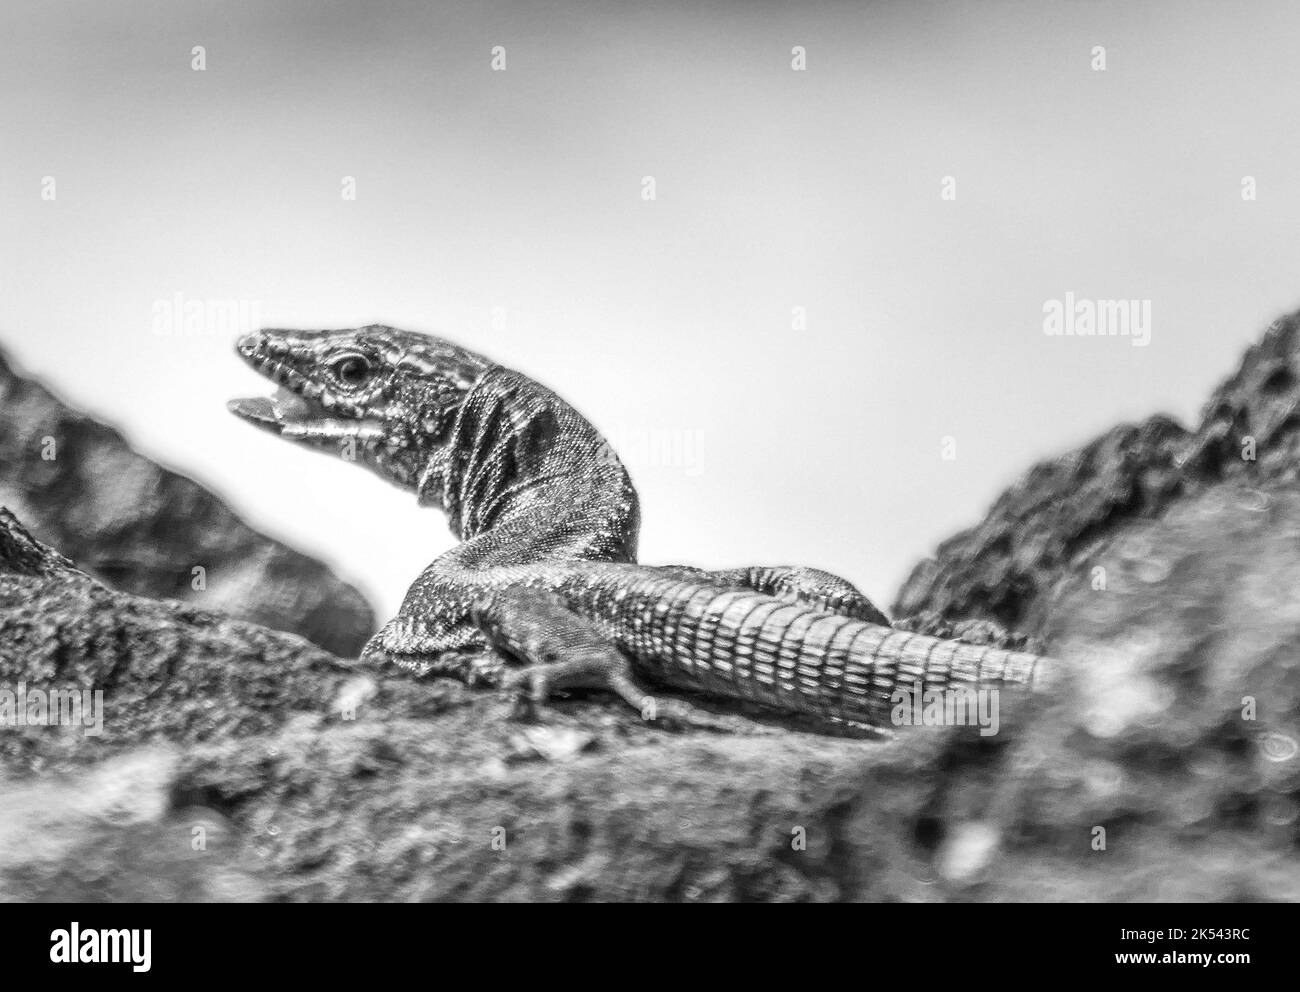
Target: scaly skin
(546,569)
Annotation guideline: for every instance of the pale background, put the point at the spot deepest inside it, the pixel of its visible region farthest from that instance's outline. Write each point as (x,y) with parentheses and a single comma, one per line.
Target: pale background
(776,189)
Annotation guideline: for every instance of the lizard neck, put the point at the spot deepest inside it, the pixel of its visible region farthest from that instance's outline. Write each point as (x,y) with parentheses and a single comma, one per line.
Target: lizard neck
(521,457)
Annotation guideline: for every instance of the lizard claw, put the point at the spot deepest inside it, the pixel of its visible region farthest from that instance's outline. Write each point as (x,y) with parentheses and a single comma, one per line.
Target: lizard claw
(399,643)
(569,652)
(391,645)
(565,651)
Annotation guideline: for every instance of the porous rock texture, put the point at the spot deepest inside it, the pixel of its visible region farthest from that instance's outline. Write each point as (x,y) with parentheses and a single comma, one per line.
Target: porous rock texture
(241,763)
(1052,523)
(141,528)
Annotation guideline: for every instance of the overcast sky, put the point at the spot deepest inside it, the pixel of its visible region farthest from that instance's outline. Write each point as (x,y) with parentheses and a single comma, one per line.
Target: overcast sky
(505,210)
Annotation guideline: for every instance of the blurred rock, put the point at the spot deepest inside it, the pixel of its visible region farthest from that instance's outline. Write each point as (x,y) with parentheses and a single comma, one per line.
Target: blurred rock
(169,671)
(1050,524)
(111,834)
(141,528)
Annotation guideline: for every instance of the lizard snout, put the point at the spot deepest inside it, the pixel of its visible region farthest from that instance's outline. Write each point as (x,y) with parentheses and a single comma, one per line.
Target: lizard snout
(251,343)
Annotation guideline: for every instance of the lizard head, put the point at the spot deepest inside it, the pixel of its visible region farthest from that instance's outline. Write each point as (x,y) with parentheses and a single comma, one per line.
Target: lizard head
(375,395)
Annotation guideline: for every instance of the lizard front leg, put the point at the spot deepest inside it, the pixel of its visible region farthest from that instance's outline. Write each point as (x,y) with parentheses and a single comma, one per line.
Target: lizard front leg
(444,642)
(566,651)
(433,632)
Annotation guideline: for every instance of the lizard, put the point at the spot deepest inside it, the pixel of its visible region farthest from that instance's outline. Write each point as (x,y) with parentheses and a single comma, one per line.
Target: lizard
(546,571)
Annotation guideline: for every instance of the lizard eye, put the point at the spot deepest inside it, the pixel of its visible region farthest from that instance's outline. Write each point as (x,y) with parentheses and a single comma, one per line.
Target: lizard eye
(351,370)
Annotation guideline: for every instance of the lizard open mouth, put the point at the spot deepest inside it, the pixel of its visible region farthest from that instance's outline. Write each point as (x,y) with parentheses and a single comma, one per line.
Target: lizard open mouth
(274,412)
(297,416)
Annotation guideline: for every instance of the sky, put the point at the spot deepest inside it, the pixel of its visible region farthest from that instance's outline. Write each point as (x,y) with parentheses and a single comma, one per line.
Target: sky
(821,342)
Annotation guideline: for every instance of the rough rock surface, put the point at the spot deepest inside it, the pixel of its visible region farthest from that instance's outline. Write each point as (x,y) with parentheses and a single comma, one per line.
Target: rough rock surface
(1052,522)
(141,528)
(237,762)
(221,731)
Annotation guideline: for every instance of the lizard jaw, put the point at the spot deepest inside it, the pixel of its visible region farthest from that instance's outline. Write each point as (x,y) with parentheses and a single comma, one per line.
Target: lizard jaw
(276,411)
(299,417)
(295,417)
(259,411)
(300,410)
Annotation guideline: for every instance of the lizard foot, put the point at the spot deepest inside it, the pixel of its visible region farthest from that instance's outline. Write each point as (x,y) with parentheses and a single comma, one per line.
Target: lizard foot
(398,643)
(794,584)
(566,651)
(818,589)
(981,632)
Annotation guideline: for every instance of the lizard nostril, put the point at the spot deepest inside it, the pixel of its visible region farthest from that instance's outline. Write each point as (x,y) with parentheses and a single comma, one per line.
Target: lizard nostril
(250,343)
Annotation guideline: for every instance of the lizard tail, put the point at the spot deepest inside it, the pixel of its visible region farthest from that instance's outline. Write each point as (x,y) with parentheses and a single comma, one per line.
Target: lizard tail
(792,657)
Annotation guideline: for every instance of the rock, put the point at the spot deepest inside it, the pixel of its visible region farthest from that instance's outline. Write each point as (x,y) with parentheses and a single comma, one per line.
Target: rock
(168,670)
(1037,530)
(1142,775)
(1181,729)
(109,834)
(1050,524)
(1250,427)
(144,529)
(1163,763)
